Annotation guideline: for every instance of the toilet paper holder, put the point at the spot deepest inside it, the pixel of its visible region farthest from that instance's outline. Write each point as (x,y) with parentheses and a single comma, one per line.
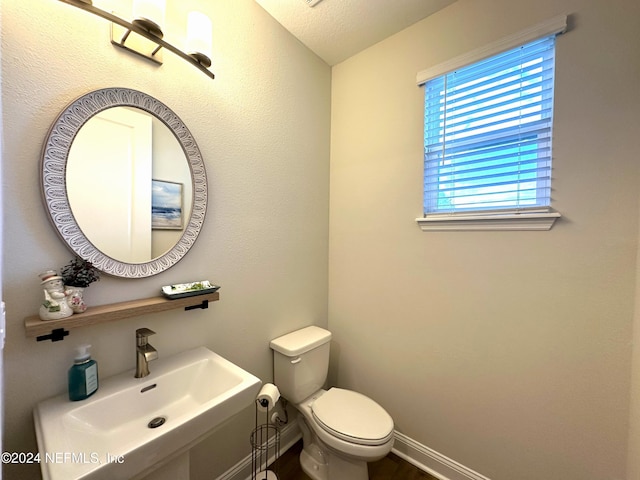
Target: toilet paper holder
(265,438)
(267,397)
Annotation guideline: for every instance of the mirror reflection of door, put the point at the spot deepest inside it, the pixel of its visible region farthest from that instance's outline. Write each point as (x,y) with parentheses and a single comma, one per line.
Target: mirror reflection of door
(108,179)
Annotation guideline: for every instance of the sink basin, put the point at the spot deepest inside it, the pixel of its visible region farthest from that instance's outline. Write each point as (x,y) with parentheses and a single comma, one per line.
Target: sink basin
(108,436)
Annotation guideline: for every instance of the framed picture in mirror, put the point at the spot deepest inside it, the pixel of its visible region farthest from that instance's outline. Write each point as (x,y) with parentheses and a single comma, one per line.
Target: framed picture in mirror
(166,205)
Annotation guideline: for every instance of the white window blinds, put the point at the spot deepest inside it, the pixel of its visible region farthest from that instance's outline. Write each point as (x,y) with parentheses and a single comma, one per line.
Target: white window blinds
(488,133)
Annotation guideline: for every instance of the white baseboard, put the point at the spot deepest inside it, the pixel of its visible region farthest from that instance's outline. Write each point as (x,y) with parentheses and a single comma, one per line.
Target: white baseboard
(415,453)
(432,462)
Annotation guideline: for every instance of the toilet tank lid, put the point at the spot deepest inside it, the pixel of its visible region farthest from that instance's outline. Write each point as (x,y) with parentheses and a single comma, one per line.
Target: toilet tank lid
(300,341)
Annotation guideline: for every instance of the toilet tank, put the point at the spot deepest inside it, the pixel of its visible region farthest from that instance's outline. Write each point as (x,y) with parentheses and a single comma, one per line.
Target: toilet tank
(301,362)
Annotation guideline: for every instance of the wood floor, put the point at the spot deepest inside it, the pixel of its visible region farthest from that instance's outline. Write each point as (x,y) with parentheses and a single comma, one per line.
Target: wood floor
(391,467)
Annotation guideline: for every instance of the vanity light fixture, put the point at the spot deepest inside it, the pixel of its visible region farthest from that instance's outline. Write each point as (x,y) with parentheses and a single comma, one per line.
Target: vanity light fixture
(149,14)
(148,40)
(199,31)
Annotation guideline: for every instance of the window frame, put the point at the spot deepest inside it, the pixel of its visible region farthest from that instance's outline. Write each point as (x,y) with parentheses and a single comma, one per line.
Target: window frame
(534,218)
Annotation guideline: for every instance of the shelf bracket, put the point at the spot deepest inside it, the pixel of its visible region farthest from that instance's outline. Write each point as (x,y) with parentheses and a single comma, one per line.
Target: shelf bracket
(56,335)
(203,305)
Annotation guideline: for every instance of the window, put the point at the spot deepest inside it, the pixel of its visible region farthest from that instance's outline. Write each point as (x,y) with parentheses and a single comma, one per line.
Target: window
(487,136)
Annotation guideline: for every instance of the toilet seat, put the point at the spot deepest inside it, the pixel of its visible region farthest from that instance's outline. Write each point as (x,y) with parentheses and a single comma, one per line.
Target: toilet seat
(352,417)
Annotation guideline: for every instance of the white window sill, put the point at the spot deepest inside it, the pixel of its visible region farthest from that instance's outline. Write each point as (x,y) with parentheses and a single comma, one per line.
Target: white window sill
(489,221)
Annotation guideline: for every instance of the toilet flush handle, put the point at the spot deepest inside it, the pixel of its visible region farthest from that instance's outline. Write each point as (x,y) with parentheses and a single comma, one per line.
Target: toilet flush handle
(296,360)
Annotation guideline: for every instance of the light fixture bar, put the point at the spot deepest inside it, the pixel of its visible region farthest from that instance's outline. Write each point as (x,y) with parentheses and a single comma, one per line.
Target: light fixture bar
(87,6)
(121,37)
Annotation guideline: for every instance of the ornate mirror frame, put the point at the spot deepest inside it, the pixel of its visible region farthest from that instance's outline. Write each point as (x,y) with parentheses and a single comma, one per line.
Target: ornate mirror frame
(53,179)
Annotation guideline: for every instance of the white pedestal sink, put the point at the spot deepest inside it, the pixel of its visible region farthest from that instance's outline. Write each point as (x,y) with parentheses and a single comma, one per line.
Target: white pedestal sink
(108,435)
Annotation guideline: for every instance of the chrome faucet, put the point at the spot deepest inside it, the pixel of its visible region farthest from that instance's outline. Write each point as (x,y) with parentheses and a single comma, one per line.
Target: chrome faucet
(145,353)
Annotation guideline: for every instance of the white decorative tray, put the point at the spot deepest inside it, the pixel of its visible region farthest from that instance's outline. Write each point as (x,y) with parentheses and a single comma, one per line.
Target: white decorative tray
(189,289)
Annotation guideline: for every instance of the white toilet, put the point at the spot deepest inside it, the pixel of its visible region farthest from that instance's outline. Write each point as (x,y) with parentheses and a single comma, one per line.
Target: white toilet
(341,430)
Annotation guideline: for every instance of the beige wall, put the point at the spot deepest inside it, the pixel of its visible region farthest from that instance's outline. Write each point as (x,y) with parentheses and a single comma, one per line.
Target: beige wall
(508,352)
(263,128)
(515,361)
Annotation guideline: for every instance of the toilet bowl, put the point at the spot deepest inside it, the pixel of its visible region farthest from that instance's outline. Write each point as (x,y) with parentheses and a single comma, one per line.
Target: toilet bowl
(342,430)
(345,431)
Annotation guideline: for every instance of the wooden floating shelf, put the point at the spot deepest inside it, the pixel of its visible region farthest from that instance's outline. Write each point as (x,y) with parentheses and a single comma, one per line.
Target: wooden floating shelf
(57,329)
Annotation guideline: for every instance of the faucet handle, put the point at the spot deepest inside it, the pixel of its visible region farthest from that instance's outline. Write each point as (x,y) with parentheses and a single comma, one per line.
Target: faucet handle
(142,334)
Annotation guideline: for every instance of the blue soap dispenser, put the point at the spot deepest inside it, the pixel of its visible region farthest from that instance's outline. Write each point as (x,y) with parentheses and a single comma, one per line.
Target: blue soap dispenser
(83,375)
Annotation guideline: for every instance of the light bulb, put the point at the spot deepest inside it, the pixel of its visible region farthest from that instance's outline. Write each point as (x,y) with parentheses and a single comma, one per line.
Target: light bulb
(149,14)
(199,32)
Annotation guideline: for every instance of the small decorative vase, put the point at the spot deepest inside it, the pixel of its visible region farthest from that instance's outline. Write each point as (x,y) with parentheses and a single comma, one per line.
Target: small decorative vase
(75,299)
(55,304)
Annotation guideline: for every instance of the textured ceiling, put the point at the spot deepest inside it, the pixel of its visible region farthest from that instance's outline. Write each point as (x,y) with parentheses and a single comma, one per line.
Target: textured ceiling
(338,29)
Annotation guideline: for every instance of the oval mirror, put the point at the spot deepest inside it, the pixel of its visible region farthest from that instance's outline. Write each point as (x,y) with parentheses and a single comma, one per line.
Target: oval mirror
(124,182)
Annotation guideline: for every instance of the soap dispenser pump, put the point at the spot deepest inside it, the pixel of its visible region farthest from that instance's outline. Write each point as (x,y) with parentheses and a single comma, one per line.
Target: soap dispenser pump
(83,375)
